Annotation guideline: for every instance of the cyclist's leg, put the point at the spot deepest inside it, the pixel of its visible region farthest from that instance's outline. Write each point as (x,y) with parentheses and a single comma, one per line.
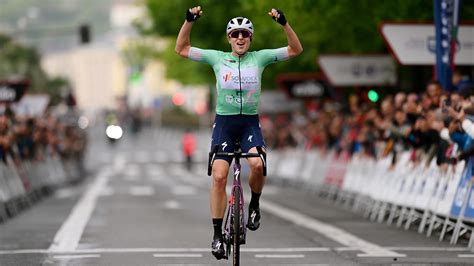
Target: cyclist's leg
(222,137)
(256,178)
(220,170)
(252,138)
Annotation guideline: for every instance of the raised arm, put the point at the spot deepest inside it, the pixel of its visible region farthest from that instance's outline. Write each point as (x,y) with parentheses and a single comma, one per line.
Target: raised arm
(182,42)
(294,45)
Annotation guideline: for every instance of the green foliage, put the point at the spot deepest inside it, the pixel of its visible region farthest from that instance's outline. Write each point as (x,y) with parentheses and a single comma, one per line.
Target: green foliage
(323,26)
(55,88)
(20,62)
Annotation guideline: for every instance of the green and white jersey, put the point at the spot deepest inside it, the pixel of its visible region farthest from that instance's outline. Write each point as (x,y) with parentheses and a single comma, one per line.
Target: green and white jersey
(238,79)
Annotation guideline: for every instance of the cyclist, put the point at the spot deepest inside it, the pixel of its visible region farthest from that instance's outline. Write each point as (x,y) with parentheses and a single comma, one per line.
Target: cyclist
(238,82)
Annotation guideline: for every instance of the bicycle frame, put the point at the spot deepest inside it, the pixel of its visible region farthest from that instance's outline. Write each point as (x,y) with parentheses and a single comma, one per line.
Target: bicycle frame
(236,184)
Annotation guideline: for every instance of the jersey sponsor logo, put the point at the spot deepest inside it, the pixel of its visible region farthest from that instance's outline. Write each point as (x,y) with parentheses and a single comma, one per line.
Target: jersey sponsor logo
(238,99)
(227,76)
(229,99)
(249,78)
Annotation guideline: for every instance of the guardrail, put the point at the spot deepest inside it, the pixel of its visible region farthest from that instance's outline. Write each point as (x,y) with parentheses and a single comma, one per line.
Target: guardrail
(25,183)
(404,194)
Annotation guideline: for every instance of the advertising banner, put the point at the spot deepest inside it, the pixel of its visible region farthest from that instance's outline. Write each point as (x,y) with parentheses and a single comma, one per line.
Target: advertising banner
(12,91)
(304,86)
(415,43)
(462,191)
(359,70)
(446,14)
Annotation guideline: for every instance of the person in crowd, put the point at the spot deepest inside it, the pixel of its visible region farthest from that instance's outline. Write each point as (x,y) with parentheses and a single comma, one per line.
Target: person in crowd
(189,147)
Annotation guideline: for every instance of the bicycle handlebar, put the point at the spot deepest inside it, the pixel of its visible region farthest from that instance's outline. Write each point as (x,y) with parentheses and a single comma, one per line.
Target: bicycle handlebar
(260,154)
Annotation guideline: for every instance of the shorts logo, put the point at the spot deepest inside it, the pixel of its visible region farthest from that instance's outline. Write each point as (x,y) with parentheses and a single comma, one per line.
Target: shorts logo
(250,138)
(224,145)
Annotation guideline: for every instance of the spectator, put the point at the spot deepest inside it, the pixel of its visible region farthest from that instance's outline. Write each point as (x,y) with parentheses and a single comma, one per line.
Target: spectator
(189,147)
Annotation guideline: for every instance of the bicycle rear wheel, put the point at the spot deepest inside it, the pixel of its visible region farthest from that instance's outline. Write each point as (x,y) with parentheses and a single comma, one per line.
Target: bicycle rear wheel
(236,225)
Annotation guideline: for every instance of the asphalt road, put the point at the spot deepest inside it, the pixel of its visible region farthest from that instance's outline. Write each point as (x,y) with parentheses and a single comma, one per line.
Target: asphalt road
(139,206)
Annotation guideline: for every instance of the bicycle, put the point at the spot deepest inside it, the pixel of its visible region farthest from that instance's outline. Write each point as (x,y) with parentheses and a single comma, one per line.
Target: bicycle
(235,227)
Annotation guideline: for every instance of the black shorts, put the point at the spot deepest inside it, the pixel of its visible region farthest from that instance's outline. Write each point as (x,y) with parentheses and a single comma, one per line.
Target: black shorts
(228,128)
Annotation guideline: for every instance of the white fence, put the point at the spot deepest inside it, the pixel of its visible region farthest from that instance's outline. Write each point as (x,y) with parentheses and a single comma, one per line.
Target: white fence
(22,184)
(404,194)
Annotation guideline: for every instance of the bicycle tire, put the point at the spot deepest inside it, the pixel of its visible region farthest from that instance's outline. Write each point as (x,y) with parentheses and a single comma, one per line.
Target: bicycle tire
(236,226)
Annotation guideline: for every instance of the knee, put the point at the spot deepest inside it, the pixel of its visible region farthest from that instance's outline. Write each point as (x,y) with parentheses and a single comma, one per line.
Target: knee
(219,179)
(256,166)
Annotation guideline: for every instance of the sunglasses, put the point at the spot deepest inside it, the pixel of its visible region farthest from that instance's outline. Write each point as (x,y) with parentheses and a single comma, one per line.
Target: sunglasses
(235,34)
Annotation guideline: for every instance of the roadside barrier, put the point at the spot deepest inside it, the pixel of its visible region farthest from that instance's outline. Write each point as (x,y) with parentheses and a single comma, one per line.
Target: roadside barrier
(25,183)
(408,195)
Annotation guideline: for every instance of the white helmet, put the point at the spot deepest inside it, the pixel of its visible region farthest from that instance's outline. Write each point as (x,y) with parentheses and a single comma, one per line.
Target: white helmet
(240,23)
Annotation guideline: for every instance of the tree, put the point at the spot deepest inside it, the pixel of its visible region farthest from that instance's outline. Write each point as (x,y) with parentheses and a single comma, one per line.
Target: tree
(323,26)
(18,62)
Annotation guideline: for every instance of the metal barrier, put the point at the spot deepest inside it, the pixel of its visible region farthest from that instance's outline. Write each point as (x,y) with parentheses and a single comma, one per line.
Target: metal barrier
(406,194)
(22,184)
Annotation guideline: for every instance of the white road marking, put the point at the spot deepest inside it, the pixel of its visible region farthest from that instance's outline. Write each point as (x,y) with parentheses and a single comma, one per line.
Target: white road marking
(427,249)
(65,193)
(156,178)
(279,256)
(434,249)
(107,191)
(171,204)
(68,236)
(85,256)
(131,178)
(466,255)
(161,157)
(142,191)
(142,156)
(132,172)
(120,161)
(153,170)
(184,190)
(245,250)
(252,250)
(177,255)
(336,234)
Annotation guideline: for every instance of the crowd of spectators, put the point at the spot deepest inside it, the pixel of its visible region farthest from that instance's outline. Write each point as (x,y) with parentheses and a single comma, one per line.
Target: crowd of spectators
(426,123)
(28,138)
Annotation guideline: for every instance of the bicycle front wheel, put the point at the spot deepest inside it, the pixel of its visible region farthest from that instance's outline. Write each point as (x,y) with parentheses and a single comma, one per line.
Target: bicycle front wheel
(236,225)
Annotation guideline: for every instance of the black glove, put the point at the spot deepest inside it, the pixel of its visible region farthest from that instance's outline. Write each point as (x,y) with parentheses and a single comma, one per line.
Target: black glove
(281,19)
(190,17)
